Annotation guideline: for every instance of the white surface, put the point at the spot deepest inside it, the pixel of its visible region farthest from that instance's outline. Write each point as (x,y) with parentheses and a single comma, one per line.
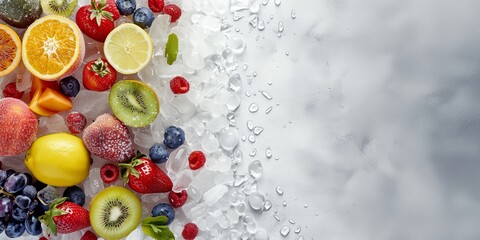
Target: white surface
(377,127)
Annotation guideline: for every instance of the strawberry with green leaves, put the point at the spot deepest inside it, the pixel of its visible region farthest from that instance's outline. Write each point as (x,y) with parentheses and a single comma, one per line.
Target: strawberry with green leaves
(95,20)
(98,75)
(144,176)
(65,217)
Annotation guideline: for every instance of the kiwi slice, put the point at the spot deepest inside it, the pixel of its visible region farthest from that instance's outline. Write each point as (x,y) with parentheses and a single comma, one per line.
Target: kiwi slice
(59,7)
(134,103)
(115,212)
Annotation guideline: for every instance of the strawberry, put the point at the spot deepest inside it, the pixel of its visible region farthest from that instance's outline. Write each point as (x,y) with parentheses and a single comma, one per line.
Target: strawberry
(109,139)
(88,235)
(95,21)
(98,75)
(65,217)
(112,7)
(144,176)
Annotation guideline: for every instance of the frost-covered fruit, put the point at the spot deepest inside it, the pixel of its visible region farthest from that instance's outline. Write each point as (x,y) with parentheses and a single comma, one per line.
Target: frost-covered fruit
(190,231)
(179,85)
(173,137)
(109,173)
(158,153)
(75,194)
(109,139)
(18,127)
(126,7)
(143,17)
(11,90)
(164,209)
(177,199)
(69,86)
(76,122)
(174,11)
(196,160)
(20,13)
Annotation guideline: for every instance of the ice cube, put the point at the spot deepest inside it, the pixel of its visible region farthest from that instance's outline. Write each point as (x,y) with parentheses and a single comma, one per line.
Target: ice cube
(209,143)
(93,184)
(159,29)
(56,123)
(255,169)
(237,5)
(217,124)
(213,195)
(229,138)
(183,181)
(91,103)
(177,161)
(256,201)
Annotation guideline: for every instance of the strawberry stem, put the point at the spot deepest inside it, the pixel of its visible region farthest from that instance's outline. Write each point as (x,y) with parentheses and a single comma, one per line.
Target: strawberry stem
(52,212)
(100,67)
(97,11)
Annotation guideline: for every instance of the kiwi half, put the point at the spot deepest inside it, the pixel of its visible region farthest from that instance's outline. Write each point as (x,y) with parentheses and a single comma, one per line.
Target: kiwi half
(59,7)
(115,212)
(134,103)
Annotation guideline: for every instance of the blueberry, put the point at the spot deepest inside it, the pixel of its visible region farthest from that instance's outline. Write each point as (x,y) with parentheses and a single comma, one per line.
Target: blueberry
(33,225)
(75,195)
(16,182)
(159,153)
(30,191)
(126,7)
(143,17)
(174,137)
(6,206)
(164,209)
(69,86)
(19,214)
(15,229)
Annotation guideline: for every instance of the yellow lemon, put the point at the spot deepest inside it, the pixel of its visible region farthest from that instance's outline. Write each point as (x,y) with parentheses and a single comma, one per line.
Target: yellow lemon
(58,159)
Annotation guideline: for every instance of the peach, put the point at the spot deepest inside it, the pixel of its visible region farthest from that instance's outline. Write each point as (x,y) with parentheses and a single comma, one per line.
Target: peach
(18,127)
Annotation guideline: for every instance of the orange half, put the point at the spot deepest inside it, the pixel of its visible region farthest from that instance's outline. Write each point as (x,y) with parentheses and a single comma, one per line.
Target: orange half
(53,47)
(10,50)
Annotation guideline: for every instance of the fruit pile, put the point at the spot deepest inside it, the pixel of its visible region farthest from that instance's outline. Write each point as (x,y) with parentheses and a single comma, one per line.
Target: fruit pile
(49,54)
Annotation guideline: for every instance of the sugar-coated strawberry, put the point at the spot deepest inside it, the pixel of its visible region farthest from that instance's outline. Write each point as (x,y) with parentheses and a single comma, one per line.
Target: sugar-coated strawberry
(179,85)
(112,7)
(65,217)
(156,5)
(144,176)
(11,90)
(95,21)
(88,235)
(76,122)
(190,231)
(196,160)
(109,139)
(109,173)
(177,199)
(98,75)
(174,11)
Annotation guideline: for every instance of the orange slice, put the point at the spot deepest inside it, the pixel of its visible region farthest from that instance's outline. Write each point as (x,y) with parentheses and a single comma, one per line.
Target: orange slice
(53,47)
(10,50)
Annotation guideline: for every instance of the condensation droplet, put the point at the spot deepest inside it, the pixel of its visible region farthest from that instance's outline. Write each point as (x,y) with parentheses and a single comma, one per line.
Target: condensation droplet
(270,83)
(257,130)
(253,20)
(267,205)
(255,169)
(253,152)
(277,2)
(287,53)
(268,110)
(284,203)
(271,16)
(237,29)
(265,2)
(305,206)
(251,138)
(254,74)
(293,14)
(277,158)
(253,108)
(268,153)
(237,16)
(298,229)
(244,138)
(279,190)
(261,25)
(277,218)
(284,231)
(300,238)
(245,66)
(256,201)
(267,95)
(280,27)
(250,125)
(248,93)
(291,221)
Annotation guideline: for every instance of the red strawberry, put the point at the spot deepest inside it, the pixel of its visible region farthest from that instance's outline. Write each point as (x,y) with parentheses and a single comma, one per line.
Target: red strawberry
(174,11)
(88,235)
(98,75)
(95,21)
(109,139)
(190,231)
(65,217)
(10,90)
(177,199)
(156,5)
(112,7)
(144,176)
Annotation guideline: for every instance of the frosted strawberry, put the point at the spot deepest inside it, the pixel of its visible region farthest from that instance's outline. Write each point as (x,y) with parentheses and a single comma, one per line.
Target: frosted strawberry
(109,139)
(18,127)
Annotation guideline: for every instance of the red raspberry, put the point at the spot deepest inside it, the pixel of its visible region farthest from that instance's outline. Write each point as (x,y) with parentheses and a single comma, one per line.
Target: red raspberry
(190,231)
(174,11)
(177,199)
(156,5)
(179,85)
(109,173)
(88,235)
(196,160)
(10,90)
(76,122)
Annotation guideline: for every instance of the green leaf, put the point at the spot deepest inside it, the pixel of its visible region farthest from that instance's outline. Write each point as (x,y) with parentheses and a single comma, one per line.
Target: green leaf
(155,228)
(171,49)
(159,220)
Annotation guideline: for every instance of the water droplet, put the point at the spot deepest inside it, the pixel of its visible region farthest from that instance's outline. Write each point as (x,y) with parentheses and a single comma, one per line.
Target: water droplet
(253,108)
(253,20)
(267,205)
(256,201)
(291,221)
(244,138)
(284,231)
(237,16)
(261,25)
(265,2)
(279,190)
(298,229)
(270,83)
(251,138)
(268,110)
(257,130)
(280,27)
(275,211)
(254,74)
(255,169)
(271,16)
(261,234)
(268,153)
(253,152)
(277,2)
(293,15)
(248,93)
(250,125)
(239,180)
(267,95)
(305,206)
(300,238)
(235,82)
(277,158)
(237,29)
(245,66)
(287,53)
(284,203)
(277,218)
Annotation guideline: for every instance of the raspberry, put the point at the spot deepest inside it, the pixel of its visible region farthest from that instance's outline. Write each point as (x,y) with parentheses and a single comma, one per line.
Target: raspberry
(190,231)
(109,173)
(88,235)
(76,122)
(179,85)
(156,5)
(177,199)
(173,10)
(196,160)
(10,90)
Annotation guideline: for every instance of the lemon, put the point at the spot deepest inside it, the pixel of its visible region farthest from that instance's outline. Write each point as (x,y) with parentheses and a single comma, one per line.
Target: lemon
(58,159)
(128,48)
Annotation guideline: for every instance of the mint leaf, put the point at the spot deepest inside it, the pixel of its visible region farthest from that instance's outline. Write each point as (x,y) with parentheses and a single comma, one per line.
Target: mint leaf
(158,221)
(155,228)
(171,49)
